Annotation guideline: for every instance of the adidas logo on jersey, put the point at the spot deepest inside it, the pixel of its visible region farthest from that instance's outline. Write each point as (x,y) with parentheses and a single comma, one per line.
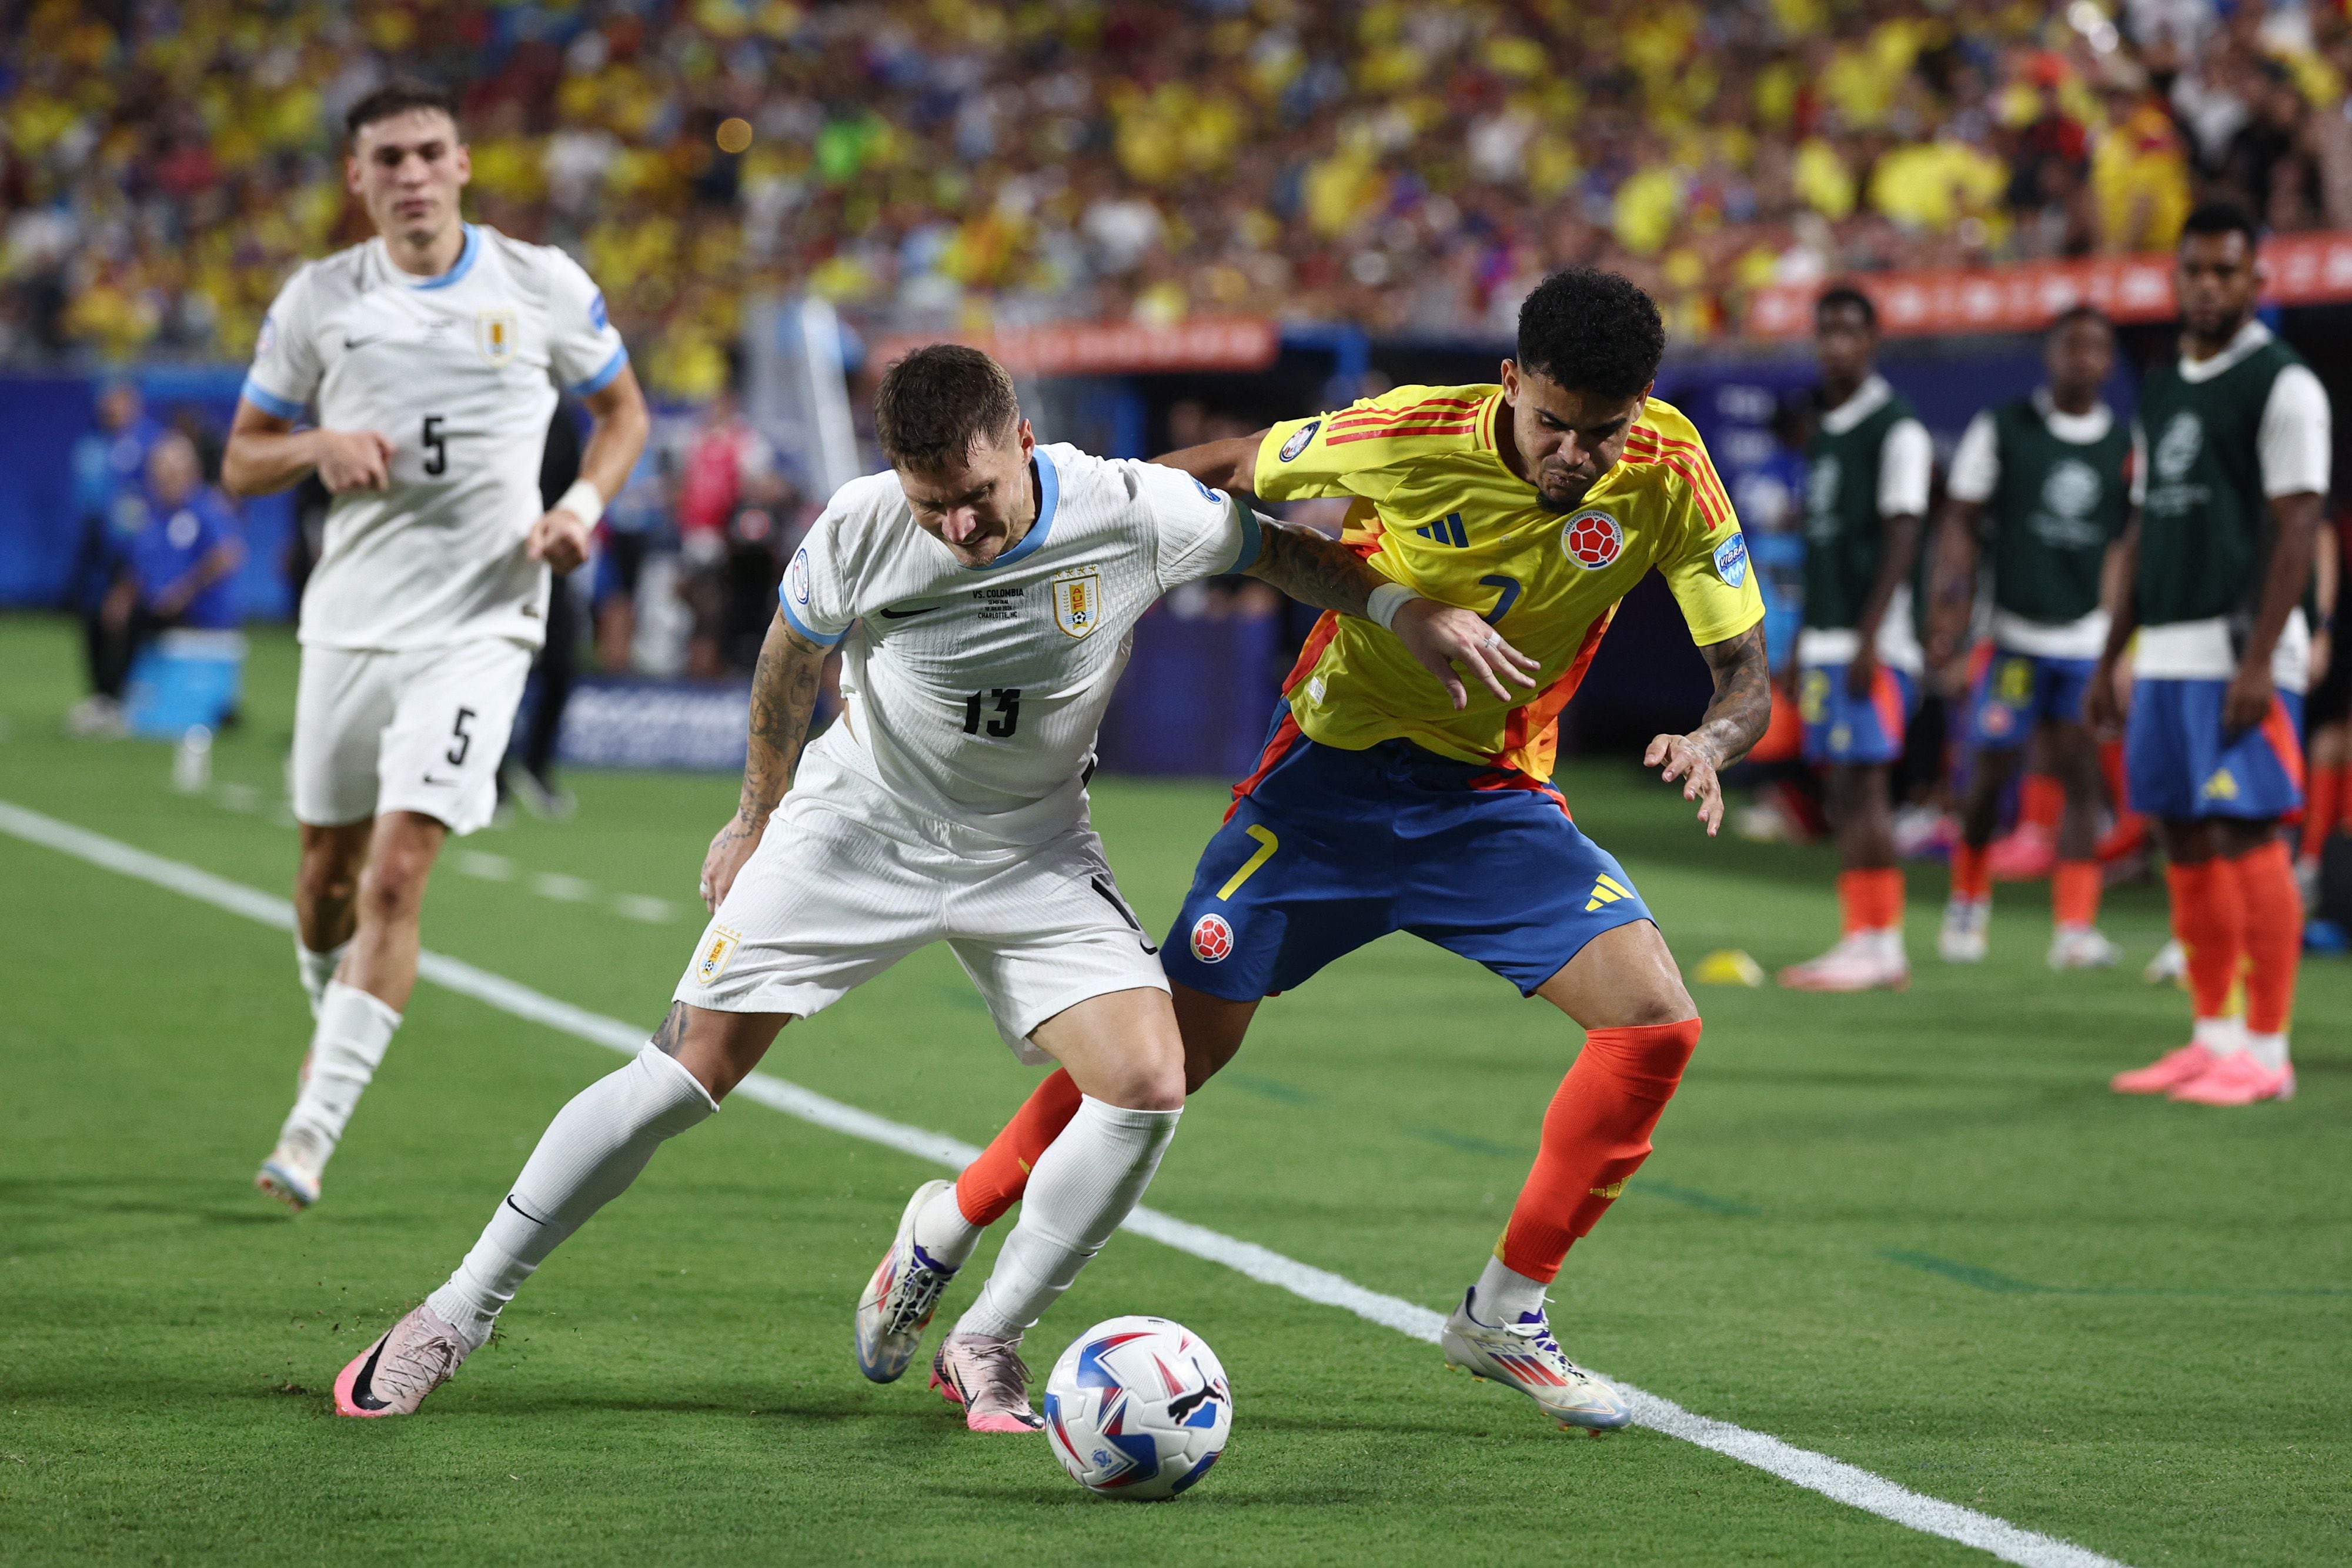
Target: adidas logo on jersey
(1606,891)
(1446,530)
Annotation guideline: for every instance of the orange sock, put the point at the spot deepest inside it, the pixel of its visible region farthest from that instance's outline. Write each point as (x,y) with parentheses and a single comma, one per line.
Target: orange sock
(1596,1134)
(2039,799)
(994,1182)
(2274,921)
(2323,808)
(2074,892)
(1971,874)
(1871,897)
(2209,916)
(1853,900)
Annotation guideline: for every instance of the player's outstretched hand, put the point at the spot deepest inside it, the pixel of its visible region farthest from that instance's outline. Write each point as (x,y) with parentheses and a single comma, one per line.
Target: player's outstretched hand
(1692,761)
(354,460)
(560,539)
(1441,636)
(729,848)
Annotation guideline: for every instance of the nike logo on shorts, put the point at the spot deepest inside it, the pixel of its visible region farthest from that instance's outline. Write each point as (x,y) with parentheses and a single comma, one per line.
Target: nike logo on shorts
(441,783)
(351,344)
(903,614)
(1102,884)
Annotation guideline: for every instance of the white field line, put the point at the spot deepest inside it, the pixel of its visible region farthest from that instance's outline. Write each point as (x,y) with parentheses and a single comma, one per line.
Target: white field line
(1831,1477)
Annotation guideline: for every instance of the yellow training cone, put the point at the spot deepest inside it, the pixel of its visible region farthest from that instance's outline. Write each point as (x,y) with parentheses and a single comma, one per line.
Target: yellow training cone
(1730,966)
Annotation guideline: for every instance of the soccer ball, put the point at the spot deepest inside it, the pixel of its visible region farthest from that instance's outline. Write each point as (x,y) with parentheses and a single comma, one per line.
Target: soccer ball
(1137,1408)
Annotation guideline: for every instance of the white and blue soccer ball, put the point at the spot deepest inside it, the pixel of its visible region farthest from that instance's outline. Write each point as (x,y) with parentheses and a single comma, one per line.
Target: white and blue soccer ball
(1137,1408)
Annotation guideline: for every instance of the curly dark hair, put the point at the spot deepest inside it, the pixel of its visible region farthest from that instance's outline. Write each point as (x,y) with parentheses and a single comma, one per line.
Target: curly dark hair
(1592,331)
(936,402)
(1847,297)
(2222,217)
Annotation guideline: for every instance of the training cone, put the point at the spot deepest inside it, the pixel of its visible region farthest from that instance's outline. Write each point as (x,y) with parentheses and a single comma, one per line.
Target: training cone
(1730,966)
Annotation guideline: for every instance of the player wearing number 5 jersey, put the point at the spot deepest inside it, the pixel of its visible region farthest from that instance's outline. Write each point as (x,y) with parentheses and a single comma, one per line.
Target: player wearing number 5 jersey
(1392,799)
(983,593)
(428,360)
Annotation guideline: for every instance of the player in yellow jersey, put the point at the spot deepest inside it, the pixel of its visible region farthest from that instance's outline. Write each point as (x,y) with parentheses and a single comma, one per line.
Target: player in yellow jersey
(1389,799)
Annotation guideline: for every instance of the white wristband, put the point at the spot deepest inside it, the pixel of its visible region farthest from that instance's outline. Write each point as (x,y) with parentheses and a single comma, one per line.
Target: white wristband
(584,501)
(1385,602)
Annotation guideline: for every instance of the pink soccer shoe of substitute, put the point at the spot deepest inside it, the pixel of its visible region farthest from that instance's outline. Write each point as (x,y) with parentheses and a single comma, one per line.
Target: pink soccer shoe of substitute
(1863,961)
(2167,1072)
(2238,1078)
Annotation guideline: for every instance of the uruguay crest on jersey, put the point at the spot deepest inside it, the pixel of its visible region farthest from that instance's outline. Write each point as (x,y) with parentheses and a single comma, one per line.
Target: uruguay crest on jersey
(494,335)
(1077,603)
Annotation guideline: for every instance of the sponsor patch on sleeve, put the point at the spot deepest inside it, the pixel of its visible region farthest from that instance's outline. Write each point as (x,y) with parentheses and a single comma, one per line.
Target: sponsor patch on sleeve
(797,578)
(1731,560)
(1299,440)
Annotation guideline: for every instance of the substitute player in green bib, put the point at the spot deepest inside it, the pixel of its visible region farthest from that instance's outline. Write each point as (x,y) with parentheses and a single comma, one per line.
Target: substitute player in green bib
(2230,464)
(2042,482)
(1858,658)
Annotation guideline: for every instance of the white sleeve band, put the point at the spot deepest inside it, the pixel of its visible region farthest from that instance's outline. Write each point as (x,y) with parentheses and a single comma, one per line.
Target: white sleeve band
(1905,470)
(584,501)
(1976,464)
(1385,602)
(2294,439)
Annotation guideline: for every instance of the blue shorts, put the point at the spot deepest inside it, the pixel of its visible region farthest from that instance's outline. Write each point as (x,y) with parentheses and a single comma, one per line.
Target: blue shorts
(2179,766)
(2015,691)
(1862,731)
(1326,849)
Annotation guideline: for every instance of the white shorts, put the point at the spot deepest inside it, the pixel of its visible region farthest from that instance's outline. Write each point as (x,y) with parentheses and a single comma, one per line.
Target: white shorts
(845,883)
(422,731)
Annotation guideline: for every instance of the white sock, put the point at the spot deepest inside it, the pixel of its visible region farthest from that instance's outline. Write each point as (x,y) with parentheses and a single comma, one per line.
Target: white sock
(1084,1185)
(1504,1295)
(946,1236)
(2269,1049)
(316,969)
(588,1156)
(2220,1036)
(354,1031)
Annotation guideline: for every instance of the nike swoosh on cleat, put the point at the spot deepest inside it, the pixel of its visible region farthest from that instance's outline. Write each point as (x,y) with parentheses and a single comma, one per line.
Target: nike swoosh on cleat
(903,614)
(363,1386)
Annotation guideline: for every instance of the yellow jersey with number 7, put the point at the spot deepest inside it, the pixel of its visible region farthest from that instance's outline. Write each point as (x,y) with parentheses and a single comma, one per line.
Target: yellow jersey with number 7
(1438,510)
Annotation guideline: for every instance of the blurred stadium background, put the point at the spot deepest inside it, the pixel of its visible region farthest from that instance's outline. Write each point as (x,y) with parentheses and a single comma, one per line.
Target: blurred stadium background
(1175,220)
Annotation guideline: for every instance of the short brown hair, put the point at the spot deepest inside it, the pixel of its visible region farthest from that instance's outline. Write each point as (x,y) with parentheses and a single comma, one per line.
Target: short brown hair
(398,96)
(936,402)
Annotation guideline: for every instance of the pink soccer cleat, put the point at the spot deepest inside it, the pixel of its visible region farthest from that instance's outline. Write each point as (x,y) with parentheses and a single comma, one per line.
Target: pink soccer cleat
(2027,852)
(989,1379)
(2167,1072)
(1863,961)
(2237,1079)
(391,1377)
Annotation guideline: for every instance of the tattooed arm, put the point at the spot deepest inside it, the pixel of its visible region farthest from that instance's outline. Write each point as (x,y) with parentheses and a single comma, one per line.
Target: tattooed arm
(1319,570)
(783,696)
(1734,721)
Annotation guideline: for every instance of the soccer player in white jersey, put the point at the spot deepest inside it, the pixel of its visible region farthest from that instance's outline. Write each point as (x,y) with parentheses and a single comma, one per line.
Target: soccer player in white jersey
(427,360)
(984,595)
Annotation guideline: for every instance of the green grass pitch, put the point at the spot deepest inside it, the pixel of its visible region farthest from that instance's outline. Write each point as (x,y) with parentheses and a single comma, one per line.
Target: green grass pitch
(1913,1232)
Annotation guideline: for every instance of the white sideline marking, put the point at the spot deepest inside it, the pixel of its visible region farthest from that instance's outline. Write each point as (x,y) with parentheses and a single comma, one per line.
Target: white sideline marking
(1832,1479)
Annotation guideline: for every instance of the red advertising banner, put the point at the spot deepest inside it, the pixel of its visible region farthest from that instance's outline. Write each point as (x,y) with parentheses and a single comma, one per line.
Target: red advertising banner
(1113,348)
(2305,270)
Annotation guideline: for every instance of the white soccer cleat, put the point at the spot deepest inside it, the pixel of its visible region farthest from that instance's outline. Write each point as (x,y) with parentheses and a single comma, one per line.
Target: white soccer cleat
(295,1168)
(901,1297)
(1525,1356)
(1865,961)
(1966,934)
(391,1377)
(2170,963)
(2082,947)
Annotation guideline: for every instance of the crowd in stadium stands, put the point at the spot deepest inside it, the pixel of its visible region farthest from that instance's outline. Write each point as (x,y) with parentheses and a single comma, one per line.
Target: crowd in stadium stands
(1414,166)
